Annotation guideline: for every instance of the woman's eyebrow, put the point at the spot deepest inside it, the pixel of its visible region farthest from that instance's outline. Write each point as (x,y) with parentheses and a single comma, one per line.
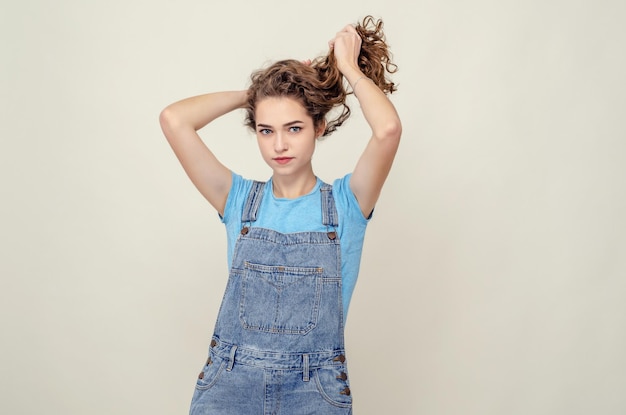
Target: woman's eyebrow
(290,123)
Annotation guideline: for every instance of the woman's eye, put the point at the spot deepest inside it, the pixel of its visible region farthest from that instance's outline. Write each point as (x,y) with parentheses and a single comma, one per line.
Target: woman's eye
(265,131)
(295,129)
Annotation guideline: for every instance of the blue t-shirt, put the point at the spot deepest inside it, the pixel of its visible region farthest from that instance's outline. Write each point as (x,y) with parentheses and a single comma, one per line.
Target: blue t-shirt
(303,214)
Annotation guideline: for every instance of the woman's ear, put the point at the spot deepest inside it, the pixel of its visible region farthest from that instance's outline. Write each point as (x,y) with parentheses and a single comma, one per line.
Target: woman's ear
(319,132)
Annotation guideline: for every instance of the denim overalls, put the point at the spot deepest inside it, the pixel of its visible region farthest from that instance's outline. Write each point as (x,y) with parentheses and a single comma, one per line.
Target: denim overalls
(278,344)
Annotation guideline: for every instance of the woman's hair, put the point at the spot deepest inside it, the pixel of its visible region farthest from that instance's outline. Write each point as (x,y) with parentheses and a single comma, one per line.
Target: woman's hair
(319,87)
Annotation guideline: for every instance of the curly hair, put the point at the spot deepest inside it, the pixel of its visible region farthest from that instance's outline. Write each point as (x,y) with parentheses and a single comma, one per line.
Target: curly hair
(320,87)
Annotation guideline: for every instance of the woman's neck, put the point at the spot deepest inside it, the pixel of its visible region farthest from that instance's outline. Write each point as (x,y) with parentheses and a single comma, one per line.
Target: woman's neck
(292,187)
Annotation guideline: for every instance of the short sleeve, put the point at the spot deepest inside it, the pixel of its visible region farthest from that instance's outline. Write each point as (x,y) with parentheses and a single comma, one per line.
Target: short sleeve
(236,198)
(345,197)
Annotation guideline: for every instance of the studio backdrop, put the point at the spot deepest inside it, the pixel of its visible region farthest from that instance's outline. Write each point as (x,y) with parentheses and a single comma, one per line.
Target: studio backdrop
(493,276)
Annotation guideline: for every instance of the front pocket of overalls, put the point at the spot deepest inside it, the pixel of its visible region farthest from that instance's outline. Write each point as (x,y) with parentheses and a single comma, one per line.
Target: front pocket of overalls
(280,299)
(332,384)
(211,371)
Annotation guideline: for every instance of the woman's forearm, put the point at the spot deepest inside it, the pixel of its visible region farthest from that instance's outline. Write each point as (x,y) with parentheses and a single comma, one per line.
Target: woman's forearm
(198,111)
(378,111)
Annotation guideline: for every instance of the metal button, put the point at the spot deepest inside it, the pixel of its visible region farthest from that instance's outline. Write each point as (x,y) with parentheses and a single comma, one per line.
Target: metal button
(244,230)
(341,358)
(332,235)
(346,391)
(209,361)
(343,376)
(201,375)
(213,343)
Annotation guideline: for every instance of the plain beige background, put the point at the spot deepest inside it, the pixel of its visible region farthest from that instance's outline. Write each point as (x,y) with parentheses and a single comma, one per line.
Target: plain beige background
(493,279)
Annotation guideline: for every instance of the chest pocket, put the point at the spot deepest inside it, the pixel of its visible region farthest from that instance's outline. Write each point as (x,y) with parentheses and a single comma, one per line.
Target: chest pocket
(280,299)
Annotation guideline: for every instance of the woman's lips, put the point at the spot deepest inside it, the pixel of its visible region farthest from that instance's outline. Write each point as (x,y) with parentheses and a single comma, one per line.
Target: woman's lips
(283,160)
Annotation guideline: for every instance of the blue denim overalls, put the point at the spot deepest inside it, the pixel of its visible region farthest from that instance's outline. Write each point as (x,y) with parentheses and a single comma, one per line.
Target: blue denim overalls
(278,345)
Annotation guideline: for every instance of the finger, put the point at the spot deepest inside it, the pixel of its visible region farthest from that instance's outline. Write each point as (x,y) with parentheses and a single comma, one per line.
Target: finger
(346,29)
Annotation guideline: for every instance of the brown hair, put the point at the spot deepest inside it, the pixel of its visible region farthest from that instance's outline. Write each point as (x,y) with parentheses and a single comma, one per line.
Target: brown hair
(320,86)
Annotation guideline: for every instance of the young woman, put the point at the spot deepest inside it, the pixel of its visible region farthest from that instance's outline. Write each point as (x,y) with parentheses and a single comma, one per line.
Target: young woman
(294,242)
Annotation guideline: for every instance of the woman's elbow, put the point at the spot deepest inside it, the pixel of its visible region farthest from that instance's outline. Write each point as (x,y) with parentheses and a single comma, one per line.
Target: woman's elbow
(168,120)
(391,132)
(165,117)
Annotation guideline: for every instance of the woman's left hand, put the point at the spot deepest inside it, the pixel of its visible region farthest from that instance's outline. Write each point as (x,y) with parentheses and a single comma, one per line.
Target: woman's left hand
(346,46)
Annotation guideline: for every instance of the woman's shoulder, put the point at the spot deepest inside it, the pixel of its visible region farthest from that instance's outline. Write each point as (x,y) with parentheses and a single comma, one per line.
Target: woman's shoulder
(346,200)
(239,189)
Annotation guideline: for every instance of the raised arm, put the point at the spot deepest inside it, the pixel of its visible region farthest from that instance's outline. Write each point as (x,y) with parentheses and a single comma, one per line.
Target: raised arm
(373,166)
(181,121)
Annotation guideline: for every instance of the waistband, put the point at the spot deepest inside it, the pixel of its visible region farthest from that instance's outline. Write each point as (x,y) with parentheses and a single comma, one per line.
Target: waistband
(276,360)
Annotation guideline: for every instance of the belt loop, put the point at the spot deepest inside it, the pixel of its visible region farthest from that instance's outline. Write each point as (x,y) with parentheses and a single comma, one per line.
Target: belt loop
(231,360)
(305,373)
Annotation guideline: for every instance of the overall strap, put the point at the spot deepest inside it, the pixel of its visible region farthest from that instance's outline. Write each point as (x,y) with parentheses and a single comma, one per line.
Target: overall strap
(329,211)
(252,204)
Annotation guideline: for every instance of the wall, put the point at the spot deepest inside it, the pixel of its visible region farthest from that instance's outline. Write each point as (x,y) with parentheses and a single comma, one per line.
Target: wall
(493,277)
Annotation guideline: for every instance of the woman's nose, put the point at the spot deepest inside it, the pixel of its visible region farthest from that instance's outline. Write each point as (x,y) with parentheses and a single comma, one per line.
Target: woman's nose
(280,144)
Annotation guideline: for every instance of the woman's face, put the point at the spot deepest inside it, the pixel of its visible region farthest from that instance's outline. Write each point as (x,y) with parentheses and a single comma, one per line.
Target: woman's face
(286,135)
